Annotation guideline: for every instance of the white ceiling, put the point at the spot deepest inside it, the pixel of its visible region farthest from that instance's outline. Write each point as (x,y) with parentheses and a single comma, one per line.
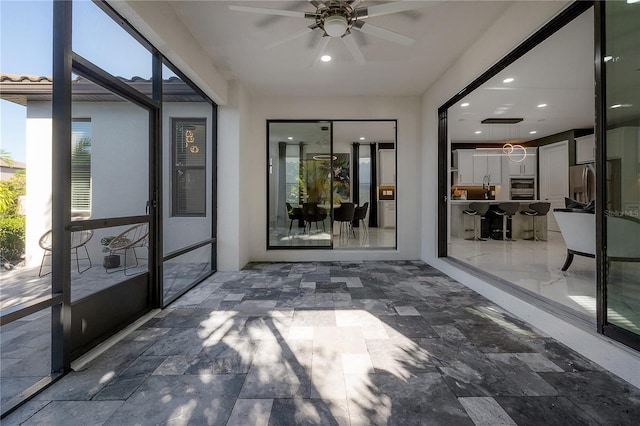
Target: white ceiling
(344,132)
(236,42)
(559,72)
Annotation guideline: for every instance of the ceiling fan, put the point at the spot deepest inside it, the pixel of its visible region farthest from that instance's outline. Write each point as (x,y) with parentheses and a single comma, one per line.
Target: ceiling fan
(337,19)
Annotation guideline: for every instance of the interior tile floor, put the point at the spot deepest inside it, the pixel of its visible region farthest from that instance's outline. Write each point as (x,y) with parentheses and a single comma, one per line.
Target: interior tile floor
(370,238)
(364,343)
(535,266)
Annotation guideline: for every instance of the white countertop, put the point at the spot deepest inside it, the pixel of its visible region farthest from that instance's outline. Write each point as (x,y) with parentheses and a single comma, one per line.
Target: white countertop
(494,201)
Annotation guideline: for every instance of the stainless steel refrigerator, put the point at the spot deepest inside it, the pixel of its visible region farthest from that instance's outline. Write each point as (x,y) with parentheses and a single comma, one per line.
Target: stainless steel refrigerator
(582,182)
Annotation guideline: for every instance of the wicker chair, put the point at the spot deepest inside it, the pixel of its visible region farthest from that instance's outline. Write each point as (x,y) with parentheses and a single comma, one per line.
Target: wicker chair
(135,237)
(79,239)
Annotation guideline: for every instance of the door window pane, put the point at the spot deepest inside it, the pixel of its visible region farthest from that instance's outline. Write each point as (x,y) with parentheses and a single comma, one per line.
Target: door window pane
(81,168)
(300,190)
(189,167)
(622,254)
(116,154)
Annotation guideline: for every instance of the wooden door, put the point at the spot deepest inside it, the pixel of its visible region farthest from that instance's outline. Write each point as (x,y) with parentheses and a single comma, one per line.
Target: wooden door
(554,177)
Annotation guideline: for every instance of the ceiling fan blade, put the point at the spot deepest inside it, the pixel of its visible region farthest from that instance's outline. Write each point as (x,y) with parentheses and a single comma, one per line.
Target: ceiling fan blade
(315,3)
(353,48)
(319,50)
(290,37)
(396,6)
(277,12)
(382,33)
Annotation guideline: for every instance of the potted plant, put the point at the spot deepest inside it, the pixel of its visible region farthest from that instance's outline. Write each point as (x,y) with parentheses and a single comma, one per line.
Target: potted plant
(110,260)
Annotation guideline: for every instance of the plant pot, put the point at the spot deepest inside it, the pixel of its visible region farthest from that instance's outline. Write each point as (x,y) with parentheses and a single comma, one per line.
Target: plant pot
(111,261)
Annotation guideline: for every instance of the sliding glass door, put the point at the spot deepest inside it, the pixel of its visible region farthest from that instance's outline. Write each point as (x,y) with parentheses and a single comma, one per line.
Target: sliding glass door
(331,184)
(299,184)
(621,132)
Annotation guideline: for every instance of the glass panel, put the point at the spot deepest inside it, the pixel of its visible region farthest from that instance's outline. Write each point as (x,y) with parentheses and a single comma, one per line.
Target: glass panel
(182,271)
(189,145)
(378,137)
(118,151)
(548,96)
(81,168)
(25,354)
(101,258)
(99,39)
(26,30)
(300,155)
(187,171)
(622,23)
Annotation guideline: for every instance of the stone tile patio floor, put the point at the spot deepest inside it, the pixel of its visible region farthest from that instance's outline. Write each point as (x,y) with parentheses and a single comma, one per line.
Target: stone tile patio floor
(335,343)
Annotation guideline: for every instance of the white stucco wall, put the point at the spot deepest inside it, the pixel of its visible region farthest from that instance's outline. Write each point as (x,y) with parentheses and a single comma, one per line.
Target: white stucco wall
(520,21)
(405,109)
(234,179)
(38,199)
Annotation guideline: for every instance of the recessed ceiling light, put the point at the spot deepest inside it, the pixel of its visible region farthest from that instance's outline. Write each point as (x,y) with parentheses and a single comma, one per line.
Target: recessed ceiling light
(620,106)
(464,105)
(542,105)
(533,132)
(608,58)
(325,58)
(290,138)
(477,132)
(508,80)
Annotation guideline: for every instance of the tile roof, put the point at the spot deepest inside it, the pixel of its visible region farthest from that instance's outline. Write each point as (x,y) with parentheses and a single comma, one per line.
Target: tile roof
(21,88)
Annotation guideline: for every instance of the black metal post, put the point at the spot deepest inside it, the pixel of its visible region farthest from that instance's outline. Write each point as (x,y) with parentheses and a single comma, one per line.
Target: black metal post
(61,181)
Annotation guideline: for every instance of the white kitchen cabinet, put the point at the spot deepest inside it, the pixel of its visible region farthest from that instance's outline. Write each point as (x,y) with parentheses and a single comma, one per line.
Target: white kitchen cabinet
(464,164)
(474,164)
(387,213)
(526,167)
(585,149)
(387,167)
(487,166)
(621,140)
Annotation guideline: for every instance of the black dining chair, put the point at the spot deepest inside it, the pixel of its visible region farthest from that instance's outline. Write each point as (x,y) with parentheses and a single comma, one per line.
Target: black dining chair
(344,214)
(360,215)
(295,213)
(536,210)
(474,210)
(312,213)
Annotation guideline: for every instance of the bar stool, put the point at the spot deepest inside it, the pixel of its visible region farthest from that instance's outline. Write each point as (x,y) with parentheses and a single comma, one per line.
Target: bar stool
(536,210)
(507,210)
(474,210)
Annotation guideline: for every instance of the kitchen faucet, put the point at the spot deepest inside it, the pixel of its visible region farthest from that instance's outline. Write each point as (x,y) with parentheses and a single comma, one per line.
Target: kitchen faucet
(486,186)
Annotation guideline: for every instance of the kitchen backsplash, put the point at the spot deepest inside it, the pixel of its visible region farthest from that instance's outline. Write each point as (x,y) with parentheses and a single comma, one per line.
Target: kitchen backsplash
(473,193)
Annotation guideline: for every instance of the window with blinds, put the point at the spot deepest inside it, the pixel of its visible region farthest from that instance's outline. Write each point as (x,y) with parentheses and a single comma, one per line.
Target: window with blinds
(189,167)
(81,167)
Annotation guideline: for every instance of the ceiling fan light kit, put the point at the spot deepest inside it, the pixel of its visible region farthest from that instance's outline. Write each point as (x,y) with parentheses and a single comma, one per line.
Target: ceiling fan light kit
(335,26)
(336,19)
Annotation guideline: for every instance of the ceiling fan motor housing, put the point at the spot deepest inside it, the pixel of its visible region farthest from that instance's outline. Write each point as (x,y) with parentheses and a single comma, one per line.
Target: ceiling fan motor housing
(335,18)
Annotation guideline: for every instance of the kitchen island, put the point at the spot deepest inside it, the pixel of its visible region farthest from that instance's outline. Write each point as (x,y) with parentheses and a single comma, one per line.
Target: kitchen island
(520,227)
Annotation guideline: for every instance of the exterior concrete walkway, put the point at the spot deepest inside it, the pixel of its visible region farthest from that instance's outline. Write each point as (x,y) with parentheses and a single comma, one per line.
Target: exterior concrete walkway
(365,343)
